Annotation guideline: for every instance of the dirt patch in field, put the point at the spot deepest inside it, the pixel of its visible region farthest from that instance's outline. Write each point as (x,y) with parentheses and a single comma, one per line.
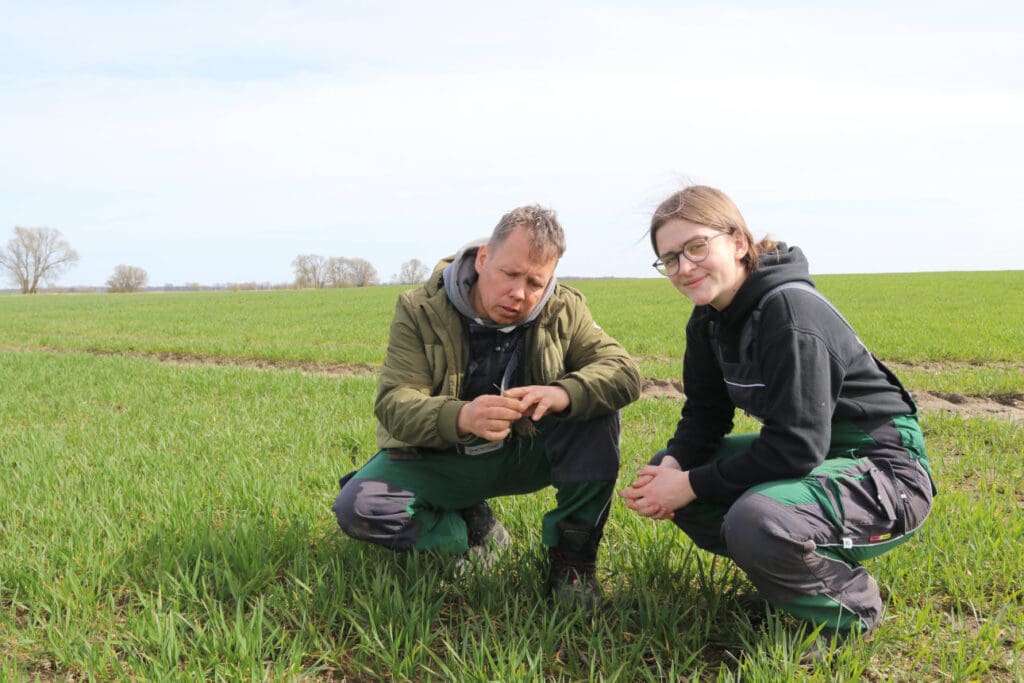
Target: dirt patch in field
(661,388)
(1006,407)
(307,367)
(941,366)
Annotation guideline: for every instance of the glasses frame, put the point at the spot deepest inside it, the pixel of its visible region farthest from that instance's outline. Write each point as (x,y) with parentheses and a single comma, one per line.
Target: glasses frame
(664,268)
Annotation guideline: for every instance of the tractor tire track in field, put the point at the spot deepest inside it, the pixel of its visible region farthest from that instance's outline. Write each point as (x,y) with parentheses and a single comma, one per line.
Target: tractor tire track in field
(199,360)
(1008,407)
(1004,406)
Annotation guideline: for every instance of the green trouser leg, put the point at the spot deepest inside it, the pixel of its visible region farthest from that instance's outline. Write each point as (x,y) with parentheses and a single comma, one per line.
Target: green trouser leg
(702,520)
(584,503)
(801,541)
(822,609)
(445,482)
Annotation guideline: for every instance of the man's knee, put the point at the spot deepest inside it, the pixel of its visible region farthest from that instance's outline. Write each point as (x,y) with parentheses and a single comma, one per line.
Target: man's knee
(371,510)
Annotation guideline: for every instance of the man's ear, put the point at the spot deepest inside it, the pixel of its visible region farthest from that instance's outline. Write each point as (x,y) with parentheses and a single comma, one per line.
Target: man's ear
(481,256)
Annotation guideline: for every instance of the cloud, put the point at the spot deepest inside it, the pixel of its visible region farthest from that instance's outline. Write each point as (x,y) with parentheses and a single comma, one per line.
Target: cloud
(213,142)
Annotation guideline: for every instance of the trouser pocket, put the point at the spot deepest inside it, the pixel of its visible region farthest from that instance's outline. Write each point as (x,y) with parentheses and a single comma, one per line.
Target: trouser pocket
(868,505)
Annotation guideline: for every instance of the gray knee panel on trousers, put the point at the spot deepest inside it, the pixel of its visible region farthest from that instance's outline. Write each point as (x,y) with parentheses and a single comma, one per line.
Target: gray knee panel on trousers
(774,546)
(374,511)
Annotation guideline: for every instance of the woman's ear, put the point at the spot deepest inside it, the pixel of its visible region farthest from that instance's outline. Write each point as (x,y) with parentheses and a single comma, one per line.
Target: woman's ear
(740,245)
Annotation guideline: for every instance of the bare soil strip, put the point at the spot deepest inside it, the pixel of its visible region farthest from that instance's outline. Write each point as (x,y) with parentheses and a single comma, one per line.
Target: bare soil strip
(303,366)
(1008,407)
(1005,407)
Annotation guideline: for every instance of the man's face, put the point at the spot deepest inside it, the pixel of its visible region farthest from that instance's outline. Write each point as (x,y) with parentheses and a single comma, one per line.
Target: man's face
(511,281)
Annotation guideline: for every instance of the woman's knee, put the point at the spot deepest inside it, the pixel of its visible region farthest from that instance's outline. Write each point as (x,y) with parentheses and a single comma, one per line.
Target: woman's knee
(658,457)
(751,529)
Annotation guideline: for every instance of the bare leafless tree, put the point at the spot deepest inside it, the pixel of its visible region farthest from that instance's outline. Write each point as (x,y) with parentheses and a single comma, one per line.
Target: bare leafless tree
(310,271)
(36,255)
(127,279)
(363,272)
(412,272)
(339,272)
(314,271)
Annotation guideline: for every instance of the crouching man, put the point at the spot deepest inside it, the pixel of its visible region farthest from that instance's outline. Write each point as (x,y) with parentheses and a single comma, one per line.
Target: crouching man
(497,382)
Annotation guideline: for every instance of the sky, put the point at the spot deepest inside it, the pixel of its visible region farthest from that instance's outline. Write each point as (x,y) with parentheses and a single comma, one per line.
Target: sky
(213,142)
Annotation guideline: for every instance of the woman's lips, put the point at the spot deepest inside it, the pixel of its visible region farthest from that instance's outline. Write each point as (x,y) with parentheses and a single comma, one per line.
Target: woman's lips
(695,281)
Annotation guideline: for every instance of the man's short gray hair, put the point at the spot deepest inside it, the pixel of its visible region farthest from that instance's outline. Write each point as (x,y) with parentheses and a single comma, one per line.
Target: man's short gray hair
(541,225)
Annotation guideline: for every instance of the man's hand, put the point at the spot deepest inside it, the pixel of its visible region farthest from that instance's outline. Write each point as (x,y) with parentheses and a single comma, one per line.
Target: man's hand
(539,400)
(659,491)
(488,416)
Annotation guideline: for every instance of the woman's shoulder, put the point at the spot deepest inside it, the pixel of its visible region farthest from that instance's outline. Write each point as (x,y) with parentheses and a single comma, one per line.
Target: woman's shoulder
(800,309)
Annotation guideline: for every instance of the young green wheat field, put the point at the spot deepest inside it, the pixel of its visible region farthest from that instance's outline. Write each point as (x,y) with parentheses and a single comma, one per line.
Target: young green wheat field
(169,461)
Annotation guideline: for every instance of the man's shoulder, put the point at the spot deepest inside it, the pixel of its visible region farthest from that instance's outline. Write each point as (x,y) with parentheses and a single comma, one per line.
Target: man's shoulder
(568,294)
(565,302)
(431,289)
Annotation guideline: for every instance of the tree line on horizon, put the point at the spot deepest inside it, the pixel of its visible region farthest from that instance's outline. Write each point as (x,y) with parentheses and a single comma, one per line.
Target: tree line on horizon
(313,271)
(36,256)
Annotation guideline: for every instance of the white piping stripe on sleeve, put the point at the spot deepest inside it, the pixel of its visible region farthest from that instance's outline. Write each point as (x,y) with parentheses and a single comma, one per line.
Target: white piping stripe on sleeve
(744,386)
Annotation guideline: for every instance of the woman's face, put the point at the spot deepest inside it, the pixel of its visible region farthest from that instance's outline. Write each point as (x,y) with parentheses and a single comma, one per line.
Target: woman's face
(718,276)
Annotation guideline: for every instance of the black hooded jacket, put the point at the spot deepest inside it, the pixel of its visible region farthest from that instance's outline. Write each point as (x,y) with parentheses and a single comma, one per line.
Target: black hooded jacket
(806,370)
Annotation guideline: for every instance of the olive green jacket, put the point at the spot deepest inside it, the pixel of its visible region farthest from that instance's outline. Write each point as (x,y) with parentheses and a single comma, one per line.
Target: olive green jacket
(418,402)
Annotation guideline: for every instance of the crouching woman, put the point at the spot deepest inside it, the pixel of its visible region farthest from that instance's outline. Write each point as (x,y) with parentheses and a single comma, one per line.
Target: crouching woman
(837,473)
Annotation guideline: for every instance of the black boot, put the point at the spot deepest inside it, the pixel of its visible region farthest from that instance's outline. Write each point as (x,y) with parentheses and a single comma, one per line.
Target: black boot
(481,524)
(487,537)
(572,566)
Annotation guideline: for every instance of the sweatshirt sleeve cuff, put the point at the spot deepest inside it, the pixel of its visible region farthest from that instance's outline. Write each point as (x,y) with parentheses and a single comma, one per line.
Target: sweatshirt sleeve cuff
(706,483)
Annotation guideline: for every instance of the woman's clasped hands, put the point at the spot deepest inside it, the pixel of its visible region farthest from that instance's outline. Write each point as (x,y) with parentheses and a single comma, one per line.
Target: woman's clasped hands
(659,490)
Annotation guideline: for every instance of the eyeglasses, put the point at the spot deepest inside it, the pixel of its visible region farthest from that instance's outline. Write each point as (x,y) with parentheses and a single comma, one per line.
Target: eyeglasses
(694,251)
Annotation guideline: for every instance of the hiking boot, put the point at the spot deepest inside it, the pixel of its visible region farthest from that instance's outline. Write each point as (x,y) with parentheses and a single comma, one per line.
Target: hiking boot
(486,536)
(754,607)
(481,524)
(573,584)
(824,646)
(572,574)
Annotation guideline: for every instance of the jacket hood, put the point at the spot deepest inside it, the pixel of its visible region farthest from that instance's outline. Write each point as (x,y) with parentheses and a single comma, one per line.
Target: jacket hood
(786,264)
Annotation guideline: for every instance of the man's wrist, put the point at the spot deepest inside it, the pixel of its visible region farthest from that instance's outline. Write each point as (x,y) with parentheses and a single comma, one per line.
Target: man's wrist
(448,421)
